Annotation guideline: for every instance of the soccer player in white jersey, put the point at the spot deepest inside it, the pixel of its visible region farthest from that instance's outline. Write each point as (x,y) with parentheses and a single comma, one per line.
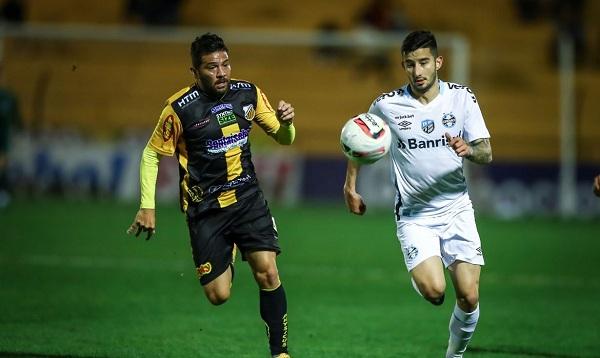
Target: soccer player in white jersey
(435,126)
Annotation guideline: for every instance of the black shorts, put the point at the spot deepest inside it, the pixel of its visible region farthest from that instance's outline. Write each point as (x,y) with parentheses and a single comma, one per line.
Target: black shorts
(248,224)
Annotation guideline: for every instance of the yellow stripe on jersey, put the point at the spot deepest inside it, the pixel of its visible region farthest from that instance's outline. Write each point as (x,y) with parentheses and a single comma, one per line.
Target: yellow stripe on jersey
(234,166)
(184,184)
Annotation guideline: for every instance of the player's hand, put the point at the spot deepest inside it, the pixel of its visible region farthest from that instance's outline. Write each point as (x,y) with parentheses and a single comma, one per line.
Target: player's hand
(354,202)
(145,221)
(460,147)
(285,112)
(597,185)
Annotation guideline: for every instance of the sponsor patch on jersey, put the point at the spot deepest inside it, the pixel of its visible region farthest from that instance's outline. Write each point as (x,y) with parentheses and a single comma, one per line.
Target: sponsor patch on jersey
(221,107)
(201,123)
(413,143)
(448,120)
(249,112)
(240,86)
(232,184)
(167,128)
(404,125)
(224,144)
(226,117)
(427,126)
(203,269)
(188,99)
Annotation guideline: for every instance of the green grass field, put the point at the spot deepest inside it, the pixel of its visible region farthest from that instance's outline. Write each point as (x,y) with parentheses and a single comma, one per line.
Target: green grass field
(72,284)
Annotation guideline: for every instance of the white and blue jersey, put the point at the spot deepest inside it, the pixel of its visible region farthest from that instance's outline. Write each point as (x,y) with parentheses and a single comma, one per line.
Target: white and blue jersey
(427,174)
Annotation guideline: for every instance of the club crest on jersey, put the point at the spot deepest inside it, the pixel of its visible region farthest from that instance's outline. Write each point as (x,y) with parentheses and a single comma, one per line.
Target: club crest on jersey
(249,112)
(167,128)
(204,269)
(448,120)
(427,126)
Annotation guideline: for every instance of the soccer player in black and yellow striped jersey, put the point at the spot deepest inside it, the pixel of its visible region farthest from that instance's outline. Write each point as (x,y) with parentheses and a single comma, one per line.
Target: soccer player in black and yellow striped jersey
(206,126)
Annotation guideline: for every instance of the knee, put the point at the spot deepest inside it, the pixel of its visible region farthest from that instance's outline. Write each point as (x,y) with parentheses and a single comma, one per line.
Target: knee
(268,278)
(468,301)
(217,297)
(434,293)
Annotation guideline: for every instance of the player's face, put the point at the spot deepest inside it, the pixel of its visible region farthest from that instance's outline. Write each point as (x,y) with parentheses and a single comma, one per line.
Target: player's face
(421,68)
(214,73)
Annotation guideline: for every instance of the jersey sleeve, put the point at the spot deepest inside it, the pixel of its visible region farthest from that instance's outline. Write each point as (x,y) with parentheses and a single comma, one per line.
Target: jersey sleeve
(148,176)
(376,110)
(267,120)
(167,132)
(474,127)
(265,115)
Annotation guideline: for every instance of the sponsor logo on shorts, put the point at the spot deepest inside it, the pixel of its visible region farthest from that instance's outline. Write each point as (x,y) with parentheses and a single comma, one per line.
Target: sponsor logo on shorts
(411,253)
(479,251)
(204,269)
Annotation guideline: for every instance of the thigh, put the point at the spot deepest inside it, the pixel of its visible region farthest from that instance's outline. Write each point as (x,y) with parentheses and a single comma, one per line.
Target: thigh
(418,243)
(460,240)
(211,250)
(254,228)
(429,274)
(465,278)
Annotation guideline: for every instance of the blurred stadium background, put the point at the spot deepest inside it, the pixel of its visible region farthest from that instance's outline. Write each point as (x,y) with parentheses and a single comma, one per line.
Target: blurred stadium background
(91,79)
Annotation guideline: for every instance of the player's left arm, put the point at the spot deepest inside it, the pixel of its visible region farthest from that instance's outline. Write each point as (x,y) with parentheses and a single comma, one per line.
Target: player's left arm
(481,151)
(278,124)
(478,151)
(474,143)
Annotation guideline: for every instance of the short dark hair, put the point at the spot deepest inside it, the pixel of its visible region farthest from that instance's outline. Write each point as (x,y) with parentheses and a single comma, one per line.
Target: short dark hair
(419,39)
(205,44)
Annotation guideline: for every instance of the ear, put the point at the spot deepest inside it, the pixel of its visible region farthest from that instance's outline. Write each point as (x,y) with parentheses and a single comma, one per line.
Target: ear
(194,72)
(439,61)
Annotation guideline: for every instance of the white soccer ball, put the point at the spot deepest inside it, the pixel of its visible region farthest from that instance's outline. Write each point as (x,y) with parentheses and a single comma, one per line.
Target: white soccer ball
(365,138)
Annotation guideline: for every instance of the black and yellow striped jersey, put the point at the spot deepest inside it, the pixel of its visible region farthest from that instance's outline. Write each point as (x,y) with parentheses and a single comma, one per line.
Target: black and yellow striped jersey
(210,138)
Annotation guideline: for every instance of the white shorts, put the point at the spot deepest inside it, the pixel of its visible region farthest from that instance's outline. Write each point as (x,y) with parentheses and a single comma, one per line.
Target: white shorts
(451,237)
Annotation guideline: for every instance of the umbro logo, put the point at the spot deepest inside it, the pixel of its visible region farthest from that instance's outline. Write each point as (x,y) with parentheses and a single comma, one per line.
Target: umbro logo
(404,125)
(479,251)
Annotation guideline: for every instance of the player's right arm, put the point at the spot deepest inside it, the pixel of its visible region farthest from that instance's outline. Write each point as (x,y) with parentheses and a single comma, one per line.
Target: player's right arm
(163,142)
(145,218)
(597,185)
(354,200)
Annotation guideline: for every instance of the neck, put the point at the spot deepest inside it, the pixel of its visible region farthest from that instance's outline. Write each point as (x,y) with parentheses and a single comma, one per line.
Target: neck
(427,96)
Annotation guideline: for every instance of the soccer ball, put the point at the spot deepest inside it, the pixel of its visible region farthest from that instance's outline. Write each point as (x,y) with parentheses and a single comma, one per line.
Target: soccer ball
(365,138)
